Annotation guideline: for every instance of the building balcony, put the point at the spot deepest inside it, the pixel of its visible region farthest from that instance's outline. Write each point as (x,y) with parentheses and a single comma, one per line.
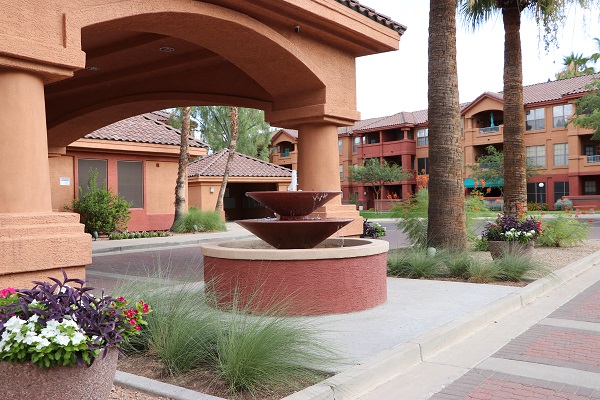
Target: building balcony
(399,147)
(489,129)
(387,149)
(593,159)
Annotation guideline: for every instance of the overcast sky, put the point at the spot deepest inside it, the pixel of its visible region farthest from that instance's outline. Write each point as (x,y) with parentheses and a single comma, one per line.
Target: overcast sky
(397,81)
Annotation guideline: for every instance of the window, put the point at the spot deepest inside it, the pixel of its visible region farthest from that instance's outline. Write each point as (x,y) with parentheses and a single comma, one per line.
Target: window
(423,137)
(536,155)
(560,189)
(85,166)
(589,150)
(589,187)
(561,152)
(422,166)
(355,144)
(534,119)
(131,182)
(560,115)
(536,193)
(341,172)
(340,146)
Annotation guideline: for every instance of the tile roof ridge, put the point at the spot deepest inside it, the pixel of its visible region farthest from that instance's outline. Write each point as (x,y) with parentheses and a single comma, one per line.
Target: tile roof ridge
(237,153)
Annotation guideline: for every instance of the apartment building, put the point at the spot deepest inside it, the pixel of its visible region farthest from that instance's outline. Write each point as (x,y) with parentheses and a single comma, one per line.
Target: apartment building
(568,160)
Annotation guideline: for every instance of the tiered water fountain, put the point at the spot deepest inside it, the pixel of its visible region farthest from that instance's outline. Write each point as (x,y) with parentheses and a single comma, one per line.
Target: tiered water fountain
(295,262)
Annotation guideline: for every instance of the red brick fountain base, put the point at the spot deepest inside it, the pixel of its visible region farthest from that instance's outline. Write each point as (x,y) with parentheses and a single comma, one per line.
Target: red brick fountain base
(327,279)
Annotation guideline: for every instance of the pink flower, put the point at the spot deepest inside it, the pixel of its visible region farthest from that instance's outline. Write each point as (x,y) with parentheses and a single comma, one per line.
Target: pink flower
(121,299)
(4,293)
(138,328)
(132,321)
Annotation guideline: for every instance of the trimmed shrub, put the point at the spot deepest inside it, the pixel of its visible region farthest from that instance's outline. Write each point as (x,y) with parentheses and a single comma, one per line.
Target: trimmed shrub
(563,204)
(205,221)
(100,209)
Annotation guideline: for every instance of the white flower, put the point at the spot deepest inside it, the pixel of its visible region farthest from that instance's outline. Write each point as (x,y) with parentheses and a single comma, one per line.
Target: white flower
(34,318)
(14,323)
(77,338)
(42,343)
(63,340)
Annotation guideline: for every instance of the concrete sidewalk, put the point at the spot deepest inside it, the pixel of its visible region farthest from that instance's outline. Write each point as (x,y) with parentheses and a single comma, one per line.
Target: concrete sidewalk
(234,231)
(547,349)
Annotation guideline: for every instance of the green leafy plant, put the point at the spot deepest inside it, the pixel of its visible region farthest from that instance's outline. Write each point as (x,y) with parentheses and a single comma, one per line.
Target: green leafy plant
(101,210)
(411,215)
(508,228)
(59,323)
(563,231)
(204,221)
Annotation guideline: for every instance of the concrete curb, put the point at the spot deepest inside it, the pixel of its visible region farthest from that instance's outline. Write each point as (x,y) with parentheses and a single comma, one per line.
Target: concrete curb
(360,379)
(157,388)
(376,371)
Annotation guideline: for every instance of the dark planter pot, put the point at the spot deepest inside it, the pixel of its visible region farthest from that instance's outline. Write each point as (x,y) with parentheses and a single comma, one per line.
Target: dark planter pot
(28,381)
(499,248)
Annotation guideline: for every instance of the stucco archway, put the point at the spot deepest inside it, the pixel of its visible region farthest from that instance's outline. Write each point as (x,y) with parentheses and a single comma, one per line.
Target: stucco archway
(293,59)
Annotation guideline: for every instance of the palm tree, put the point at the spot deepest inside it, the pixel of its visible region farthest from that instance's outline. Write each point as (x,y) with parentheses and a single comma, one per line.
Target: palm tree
(234,133)
(575,65)
(446,212)
(183,163)
(550,14)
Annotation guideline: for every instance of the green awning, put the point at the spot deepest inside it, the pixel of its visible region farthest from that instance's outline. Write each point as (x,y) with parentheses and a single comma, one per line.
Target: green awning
(470,183)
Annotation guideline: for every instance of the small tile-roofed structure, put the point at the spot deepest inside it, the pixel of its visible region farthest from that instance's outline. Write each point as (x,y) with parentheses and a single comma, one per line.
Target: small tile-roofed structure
(145,128)
(243,166)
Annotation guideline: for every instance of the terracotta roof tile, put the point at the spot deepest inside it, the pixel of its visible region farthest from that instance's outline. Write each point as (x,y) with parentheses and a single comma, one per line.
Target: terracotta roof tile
(554,90)
(145,128)
(374,15)
(243,165)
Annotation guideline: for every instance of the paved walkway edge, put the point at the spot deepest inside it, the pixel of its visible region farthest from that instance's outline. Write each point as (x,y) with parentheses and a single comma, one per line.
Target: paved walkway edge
(387,365)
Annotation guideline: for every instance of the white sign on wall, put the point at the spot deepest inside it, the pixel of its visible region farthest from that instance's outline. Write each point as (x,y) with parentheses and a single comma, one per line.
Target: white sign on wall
(65,181)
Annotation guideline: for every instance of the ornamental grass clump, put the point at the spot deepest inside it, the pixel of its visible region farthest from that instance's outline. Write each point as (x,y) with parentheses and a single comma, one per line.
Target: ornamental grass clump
(59,323)
(508,228)
(415,263)
(198,220)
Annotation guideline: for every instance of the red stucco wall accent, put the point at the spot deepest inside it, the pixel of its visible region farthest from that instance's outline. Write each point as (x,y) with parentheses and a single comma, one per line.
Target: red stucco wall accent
(312,287)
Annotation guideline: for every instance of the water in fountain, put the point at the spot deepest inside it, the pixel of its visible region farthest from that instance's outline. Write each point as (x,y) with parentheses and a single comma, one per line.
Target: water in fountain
(294,229)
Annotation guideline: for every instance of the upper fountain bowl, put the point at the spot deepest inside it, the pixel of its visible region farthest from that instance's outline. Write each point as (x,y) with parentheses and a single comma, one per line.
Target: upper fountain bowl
(293,205)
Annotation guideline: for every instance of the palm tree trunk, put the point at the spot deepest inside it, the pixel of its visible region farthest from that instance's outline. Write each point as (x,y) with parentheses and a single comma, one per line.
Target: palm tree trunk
(183,164)
(233,127)
(446,224)
(515,180)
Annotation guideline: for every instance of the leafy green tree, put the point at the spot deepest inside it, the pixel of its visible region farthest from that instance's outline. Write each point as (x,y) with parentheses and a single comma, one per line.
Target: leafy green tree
(376,174)
(490,167)
(550,16)
(447,224)
(587,110)
(100,209)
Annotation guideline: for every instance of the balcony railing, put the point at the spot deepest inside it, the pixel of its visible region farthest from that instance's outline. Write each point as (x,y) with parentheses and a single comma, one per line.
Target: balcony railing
(593,159)
(489,129)
(284,154)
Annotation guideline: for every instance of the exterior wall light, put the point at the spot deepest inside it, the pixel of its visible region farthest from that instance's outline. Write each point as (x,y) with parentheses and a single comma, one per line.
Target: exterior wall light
(212,189)
(167,49)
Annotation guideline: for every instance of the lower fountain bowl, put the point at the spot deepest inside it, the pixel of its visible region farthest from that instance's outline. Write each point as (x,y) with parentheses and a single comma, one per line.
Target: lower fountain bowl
(338,276)
(294,234)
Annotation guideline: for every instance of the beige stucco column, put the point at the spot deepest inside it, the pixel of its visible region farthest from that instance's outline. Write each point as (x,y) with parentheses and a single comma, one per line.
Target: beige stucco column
(318,169)
(24,162)
(34,241)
